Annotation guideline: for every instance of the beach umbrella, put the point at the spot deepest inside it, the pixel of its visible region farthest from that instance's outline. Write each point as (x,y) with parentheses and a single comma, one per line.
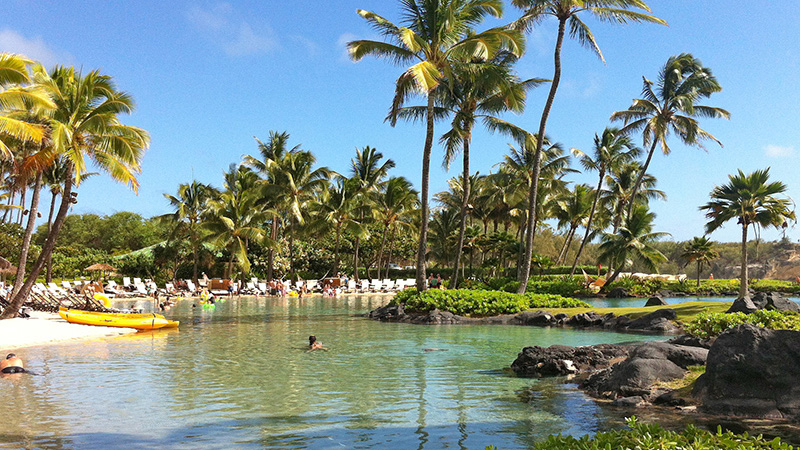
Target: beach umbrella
(100,267)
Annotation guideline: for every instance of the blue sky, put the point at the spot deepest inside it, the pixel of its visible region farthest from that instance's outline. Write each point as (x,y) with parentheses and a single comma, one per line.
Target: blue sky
(209,75)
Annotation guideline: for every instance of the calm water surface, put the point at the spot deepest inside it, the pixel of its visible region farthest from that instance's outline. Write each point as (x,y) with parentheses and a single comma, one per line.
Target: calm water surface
(239,376)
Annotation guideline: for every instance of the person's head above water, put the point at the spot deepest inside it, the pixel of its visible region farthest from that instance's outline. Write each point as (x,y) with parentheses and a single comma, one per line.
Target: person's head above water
(312,339)
(11,355)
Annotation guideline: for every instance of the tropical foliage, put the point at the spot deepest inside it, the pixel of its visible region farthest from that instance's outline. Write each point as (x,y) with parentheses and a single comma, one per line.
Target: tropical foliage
(479,303)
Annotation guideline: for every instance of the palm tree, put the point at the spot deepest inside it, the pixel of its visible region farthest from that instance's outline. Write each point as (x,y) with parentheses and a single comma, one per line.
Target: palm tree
(234,219)
(190,205)
(395,205)
(273,155)
(672,106)
(435,34)
(19,93)
(618,194)
(753,200)
(85,126)
(336,209)
(632,243)
(611,150)
(614,11)
(701,251)
(479,90)
(572,210)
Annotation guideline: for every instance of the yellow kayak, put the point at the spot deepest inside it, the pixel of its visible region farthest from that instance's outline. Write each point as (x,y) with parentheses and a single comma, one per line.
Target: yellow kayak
(137,321)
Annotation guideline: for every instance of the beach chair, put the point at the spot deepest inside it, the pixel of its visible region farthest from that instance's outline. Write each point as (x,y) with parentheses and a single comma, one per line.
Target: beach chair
(251,288)
(376,285)
(140,289)
(191,286)
(388,285)
(364,286)
(137,281)
(400,285)
(351,286)
(65,285)
(311,285)
(126,282)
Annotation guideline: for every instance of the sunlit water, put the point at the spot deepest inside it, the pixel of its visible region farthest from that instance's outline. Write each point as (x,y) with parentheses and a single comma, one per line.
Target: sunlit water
(239,376)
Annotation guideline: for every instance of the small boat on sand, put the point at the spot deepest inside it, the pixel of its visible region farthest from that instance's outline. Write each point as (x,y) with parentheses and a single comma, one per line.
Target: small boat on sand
(105,319)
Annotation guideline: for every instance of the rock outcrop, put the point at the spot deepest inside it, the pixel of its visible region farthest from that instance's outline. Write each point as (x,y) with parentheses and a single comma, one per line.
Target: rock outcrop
(559,360)
(647,364)
(752,372)
(656,301)
(763,300)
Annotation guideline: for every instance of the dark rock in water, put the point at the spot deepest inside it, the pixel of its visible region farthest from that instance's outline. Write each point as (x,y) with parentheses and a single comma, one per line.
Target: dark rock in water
(659,321)
(618,292)
(665,293)
(647,364)
(561,318)
(656,301)
(438,317)
(559,360)
(759,299)
(779,303)
(630,402)
(743,304)
(540,318)
(669,398)
(387,313)
(752,372)
(691,341)
(587,319)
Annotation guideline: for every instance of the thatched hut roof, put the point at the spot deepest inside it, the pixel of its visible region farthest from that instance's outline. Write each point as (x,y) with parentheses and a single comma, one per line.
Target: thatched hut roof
(103,267)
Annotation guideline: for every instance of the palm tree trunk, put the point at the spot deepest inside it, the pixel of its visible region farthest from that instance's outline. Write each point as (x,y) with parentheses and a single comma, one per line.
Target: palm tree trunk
(380,252)
(26,240)
(230,263)
(291,251)
(391,248)
(698,273)
(271,257)
(743,283)
(422,249)
(355,258)
(640,177)
(22,199)
(567,242)
(49,228)
(588,224)
(525,273)
(336,251)
(49,243)
(195,258)
(464,204)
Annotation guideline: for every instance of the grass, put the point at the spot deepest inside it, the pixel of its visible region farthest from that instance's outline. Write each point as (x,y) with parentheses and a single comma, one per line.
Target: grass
(684,385)
(685,311)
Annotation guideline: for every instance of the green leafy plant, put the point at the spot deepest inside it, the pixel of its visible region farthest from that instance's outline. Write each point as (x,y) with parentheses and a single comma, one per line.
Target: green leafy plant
(480,302)
(709,325)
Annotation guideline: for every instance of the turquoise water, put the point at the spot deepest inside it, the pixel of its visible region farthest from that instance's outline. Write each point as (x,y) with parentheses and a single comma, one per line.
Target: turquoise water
(239,376)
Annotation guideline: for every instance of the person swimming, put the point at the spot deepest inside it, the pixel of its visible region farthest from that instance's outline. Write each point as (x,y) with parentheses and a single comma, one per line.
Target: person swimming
(314,344)
(12,364)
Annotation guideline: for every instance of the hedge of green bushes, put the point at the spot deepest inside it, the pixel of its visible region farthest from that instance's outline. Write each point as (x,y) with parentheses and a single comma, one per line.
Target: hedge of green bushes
(468,302)
(653,437)
(708,325)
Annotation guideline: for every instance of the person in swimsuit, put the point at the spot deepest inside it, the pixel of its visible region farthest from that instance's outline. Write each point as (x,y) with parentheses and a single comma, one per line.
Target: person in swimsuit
(314,344)
(11,364)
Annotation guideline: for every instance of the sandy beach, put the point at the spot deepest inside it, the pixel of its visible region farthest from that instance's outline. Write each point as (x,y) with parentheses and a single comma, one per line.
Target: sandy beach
(48,328)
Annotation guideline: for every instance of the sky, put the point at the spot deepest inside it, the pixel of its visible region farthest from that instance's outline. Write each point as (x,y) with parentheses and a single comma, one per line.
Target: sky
(208,76)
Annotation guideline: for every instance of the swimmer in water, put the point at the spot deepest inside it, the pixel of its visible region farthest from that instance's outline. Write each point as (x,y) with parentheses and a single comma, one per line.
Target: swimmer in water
(314,344)
(12,364)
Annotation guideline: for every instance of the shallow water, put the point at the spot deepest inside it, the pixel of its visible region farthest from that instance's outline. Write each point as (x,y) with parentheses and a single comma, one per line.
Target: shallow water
(239,375)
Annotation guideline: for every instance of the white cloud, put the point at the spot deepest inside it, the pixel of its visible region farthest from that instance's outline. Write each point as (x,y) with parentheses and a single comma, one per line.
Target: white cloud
(311,47)
(777,151)
(222,25)
(342,44)
(34,48)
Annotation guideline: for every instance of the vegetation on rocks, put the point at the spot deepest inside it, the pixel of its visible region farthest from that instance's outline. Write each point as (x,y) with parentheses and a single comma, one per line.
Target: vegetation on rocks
(481,303)
(712,324)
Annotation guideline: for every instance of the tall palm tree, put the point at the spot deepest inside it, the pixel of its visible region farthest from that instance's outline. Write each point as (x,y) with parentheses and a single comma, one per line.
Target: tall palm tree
(480,90)
(614,11)
(336,209)
(85,126)
(395,205)
(611,150)
(435,34)
(632,243)
(190,204)
(672,107)
(273,155)
(572,210)
(618,194)
(753,200)
(699,250)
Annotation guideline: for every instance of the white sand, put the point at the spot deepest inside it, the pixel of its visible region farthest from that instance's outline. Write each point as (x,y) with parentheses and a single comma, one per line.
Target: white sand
(48,328)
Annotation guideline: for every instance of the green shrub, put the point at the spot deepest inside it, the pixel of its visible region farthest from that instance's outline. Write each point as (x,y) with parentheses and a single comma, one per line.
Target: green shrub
(467,302)
(708,325)
(654,437)
(560,285)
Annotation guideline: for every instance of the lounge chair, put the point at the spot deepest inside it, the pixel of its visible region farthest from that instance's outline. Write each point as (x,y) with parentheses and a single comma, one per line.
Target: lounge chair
(364,286)
(376,285)
(126,282)
(400,285)
(351,286)
(262,288)
(388,285)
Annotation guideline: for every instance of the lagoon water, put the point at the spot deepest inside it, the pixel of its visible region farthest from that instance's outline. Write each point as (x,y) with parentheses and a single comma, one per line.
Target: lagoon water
(239,376)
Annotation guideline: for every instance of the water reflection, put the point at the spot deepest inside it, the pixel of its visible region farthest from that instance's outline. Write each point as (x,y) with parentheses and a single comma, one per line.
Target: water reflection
(239,374)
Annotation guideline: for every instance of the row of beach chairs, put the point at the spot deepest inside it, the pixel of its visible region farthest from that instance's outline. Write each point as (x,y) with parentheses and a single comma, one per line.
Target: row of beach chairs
(254,286)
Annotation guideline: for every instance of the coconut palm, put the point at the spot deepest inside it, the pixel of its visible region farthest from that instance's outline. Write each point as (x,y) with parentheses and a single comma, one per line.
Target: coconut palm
(190,204)
(564,11)
(611,150)
(572,210)
(85,126)
(672,107)
(618,194)
(19,93)
(753,200)
(699,250)
(633,243)
(273,155)
(435,34)
(234,219)
(395,205)
(336,209)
